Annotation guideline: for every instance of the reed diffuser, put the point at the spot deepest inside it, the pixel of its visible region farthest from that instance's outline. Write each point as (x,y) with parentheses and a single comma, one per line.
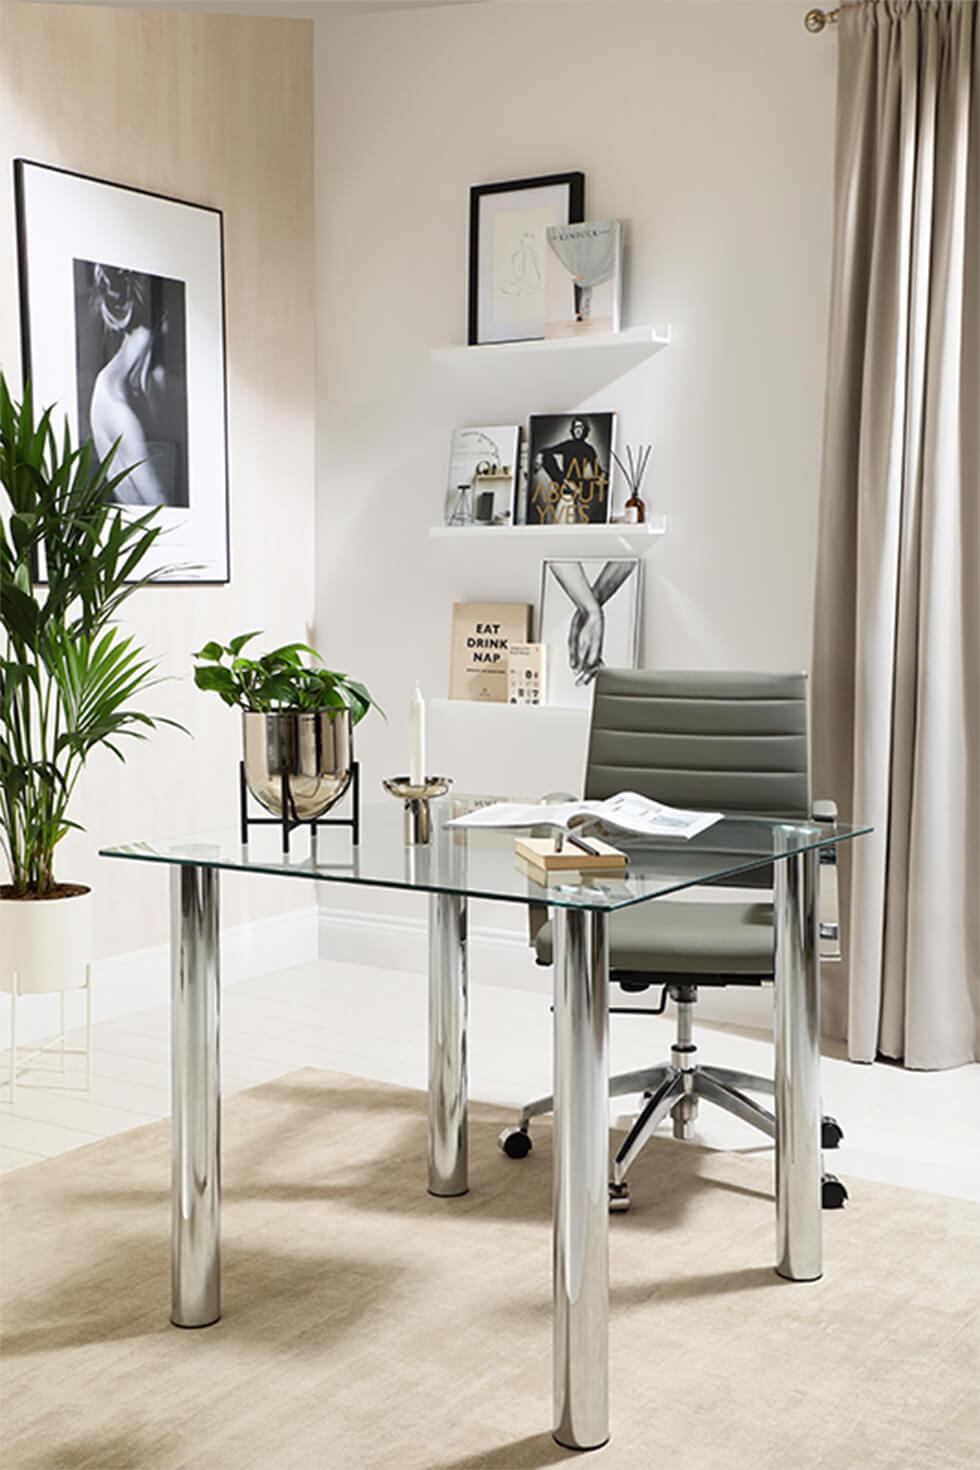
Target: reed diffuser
(633,471)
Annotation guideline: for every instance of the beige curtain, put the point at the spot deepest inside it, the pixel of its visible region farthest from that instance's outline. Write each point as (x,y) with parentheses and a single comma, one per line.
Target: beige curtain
(896,671)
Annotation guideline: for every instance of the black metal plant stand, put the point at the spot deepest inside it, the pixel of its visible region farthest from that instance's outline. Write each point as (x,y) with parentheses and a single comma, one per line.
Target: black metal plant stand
(290,820)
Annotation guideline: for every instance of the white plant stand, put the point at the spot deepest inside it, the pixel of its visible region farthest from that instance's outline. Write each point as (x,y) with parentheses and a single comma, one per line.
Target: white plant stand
(20,1058)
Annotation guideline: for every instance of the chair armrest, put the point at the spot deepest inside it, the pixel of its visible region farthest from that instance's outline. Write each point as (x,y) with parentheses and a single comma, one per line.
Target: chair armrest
(825,811)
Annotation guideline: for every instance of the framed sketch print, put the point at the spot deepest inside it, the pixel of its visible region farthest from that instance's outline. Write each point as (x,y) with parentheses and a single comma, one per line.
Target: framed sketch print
(570,460)
(590,618)
(122,317)
(482,476)
(507,252)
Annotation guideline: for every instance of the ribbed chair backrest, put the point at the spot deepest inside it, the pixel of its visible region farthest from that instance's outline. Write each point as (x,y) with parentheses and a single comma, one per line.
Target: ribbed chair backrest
(727,742)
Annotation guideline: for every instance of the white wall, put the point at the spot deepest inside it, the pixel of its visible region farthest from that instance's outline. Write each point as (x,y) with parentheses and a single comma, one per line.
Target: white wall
(217,110)
(708,128)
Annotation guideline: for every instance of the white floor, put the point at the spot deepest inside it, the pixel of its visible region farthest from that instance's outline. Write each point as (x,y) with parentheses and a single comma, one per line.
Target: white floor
(916,1129)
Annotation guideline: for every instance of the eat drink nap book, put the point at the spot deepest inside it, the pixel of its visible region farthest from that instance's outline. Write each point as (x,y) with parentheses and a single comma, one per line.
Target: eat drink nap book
(482,632)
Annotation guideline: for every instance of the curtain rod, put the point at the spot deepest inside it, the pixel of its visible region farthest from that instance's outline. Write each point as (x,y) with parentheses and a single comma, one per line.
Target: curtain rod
(817,20)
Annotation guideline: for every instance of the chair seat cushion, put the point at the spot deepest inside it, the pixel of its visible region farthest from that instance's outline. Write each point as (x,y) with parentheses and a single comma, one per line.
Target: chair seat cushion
(710,940)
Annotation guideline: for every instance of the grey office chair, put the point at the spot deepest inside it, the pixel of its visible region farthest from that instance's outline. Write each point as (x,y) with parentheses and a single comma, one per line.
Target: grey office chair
(736,743)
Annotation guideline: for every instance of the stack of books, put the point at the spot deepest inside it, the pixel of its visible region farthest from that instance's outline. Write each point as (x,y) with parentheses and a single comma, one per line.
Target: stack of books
(542,858)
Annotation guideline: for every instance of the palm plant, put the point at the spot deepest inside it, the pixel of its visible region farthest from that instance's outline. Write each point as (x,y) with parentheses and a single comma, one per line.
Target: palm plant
(68,675)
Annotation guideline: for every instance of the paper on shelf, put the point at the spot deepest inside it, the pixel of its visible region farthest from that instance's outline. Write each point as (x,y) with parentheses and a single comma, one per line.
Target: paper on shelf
(627,811)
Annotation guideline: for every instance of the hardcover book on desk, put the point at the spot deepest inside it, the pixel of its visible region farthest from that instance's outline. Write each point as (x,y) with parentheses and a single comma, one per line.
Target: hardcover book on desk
(482,633)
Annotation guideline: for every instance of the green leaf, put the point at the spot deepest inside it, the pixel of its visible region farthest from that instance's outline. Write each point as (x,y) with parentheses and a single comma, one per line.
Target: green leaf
(289,653)
(212,651)
(237,644)
(220,680)
(19,612)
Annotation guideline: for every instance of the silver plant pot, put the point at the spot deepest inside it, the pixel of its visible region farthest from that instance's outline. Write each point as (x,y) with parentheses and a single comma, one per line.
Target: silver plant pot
(313,750)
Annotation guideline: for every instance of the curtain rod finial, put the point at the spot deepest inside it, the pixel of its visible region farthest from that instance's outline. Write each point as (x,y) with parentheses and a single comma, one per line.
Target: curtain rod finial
(816,20)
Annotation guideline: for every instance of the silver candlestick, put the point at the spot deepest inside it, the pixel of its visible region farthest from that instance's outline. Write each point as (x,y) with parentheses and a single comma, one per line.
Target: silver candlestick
(416,796)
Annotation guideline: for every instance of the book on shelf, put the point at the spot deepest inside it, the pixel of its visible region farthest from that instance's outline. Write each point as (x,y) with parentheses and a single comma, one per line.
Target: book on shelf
(570,459)
(482,476)
(482,634)
(583,278)
(526,667)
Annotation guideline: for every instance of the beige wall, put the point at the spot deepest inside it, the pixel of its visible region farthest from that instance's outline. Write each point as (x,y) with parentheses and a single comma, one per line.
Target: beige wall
(216,110)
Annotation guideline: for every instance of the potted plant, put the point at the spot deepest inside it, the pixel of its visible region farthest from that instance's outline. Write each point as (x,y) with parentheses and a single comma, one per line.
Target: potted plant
(69,677)
(297,722)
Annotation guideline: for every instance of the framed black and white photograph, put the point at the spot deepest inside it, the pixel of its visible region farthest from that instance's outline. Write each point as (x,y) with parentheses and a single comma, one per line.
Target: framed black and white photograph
(122,317)
(570,463)
(508,222)
(483,465)
(590,619)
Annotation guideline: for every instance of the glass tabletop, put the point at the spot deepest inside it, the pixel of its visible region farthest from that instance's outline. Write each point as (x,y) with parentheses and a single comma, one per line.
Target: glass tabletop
(484,864)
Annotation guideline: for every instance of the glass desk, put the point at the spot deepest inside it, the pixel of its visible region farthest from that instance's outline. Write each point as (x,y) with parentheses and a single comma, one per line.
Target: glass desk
(456,866)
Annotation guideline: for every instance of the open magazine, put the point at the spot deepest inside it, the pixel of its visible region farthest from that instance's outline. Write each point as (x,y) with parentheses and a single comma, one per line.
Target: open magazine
(627,811)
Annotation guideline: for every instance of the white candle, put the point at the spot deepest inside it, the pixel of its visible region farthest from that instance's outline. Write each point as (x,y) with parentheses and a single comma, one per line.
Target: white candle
(416,727)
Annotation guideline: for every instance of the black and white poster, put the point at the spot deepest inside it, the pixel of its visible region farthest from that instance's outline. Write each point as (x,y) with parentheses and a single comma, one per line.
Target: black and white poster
(590,619)
(122,306)
(570,468)
(131,376)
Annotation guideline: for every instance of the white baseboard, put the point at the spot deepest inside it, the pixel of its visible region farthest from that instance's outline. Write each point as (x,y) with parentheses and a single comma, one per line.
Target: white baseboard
(500,956)
(140,980)
(399,942)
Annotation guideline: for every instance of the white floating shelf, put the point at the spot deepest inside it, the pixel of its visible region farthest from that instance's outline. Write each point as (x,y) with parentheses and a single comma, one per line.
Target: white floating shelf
(643,340)
(636,539)
(512,711)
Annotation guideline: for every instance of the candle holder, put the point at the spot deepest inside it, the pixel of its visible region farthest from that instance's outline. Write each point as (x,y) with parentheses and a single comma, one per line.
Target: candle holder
(416,796)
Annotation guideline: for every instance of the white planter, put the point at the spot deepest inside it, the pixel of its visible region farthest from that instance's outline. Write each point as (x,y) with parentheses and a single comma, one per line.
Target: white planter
(45,944)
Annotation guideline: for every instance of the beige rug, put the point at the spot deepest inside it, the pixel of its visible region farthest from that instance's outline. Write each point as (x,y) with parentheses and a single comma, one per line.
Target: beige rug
(369,1325)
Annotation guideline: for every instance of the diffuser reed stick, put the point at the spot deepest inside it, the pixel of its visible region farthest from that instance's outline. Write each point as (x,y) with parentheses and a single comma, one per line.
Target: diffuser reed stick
(633,472)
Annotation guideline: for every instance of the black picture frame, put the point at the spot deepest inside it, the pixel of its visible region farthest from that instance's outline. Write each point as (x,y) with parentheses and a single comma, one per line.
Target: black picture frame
(574,182)
(27,333)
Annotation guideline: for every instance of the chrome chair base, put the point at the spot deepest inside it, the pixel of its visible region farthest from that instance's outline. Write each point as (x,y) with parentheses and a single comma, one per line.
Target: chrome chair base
(676,1088)
(667,1089)
(677,1091)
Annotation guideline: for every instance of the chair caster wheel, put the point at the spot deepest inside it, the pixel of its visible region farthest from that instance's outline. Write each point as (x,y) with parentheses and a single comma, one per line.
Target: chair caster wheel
(619,1198)
(831,1133)
(832,1193)
(515,1143)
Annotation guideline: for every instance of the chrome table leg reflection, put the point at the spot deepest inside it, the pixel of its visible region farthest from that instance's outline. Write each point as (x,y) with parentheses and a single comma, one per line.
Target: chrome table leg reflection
(581,1179)
(447,1045)
(196,1183)
(799,1250)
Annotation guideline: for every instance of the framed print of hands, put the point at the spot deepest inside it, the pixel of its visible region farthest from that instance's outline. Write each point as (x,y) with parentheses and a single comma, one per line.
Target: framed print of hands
(589,618)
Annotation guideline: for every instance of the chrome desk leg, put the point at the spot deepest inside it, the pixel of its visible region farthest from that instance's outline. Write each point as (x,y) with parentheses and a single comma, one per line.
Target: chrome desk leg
(447,1045)
(196,1187)
(581,1180)
(799,1255)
